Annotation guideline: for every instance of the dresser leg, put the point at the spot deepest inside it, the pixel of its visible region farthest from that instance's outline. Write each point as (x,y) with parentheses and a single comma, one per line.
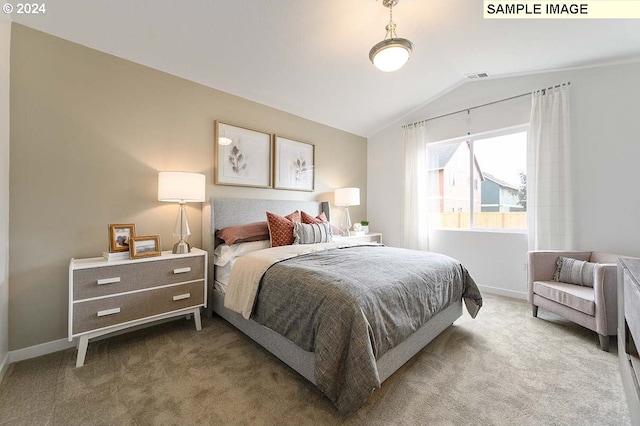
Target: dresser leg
(196,318)
(82,350)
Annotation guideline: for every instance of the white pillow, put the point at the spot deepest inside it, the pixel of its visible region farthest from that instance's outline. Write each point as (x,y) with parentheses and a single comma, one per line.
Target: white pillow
(224,253)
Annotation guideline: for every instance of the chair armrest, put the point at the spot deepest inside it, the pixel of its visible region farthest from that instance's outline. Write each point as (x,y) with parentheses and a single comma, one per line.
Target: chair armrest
(542,265)
(605,287)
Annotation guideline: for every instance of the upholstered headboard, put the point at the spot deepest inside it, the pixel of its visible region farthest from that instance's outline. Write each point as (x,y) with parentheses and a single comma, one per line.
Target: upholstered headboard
(222,212)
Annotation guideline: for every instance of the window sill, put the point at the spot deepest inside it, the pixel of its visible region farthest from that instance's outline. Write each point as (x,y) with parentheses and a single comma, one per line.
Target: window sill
(482,230)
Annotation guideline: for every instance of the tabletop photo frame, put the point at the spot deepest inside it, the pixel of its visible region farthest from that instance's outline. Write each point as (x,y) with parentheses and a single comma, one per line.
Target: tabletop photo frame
(119,236)
(294,165)
(145,246)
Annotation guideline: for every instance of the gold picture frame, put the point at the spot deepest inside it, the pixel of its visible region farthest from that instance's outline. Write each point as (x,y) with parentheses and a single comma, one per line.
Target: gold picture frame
(144,246)
(245,159)
(119,235)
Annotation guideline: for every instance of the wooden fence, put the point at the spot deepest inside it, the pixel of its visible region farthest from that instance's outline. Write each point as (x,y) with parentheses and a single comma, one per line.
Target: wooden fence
(492,220)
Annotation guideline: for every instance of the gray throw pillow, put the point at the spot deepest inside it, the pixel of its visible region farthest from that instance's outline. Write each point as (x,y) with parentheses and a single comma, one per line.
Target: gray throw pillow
(304,233)
(574,271)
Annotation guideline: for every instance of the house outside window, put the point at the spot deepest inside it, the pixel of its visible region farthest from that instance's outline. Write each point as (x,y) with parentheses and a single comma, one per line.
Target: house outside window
(490,172)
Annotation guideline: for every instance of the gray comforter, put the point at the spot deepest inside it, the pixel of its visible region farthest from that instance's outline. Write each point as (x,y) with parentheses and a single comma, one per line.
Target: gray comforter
(351,305)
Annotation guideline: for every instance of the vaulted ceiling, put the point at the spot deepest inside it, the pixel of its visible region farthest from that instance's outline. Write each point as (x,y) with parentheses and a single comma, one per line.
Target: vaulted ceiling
(310,58)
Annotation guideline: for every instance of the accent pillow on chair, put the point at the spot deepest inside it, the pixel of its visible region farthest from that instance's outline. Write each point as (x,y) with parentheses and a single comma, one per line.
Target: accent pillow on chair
(574,271)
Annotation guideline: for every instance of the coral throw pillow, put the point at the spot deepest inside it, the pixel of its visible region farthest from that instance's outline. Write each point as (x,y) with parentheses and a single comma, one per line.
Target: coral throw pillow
(281,228)
(310,220)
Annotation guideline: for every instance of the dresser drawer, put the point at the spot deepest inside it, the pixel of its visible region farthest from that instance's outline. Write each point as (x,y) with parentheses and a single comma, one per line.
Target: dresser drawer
(632,306)
(95,314)
(103,281)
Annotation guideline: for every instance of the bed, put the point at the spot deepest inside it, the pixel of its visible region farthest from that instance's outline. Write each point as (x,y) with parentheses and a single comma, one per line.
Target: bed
(370,351)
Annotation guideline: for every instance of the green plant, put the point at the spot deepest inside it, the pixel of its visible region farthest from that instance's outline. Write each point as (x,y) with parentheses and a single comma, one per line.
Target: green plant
(364,222)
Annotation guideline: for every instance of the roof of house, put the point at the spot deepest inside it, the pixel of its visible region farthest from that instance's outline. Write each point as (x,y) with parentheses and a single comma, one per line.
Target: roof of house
(500,181)
(443,155)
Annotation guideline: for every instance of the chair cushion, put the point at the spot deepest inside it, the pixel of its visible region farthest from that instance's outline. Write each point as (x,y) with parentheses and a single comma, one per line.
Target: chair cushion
(573,271)
(574,296)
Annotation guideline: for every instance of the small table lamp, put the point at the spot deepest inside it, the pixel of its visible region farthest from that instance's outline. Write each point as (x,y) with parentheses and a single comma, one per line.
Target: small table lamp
(346,197)
(181,187)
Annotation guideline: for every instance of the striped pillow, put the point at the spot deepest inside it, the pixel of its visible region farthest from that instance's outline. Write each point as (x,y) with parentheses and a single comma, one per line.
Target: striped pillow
(574,271)
(312,233)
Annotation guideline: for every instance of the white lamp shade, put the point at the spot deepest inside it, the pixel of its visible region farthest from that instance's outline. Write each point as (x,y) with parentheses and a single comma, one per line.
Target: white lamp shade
(181,186)
(347,197)
(391,58)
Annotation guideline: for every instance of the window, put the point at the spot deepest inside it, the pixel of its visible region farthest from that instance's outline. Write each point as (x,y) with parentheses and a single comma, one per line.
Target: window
(490,170)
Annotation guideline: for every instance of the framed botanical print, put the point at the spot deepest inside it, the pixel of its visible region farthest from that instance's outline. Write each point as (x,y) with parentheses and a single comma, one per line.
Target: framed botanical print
(242,156)
(293,165)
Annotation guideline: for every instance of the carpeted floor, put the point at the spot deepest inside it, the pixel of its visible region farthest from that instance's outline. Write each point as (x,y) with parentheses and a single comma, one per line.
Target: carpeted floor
(504,368)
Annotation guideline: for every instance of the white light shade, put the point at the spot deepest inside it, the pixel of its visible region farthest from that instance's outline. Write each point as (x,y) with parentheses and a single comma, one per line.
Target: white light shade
(181,186)
(391,59)
(391,54)
(347,197)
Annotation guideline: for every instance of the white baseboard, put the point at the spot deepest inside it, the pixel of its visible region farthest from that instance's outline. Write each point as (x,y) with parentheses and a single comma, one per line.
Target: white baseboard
(39,350)
(62,344)
(503,292)
(4,365)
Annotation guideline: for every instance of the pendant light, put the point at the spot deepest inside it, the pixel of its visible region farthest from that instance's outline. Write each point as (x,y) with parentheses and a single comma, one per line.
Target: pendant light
(391,53)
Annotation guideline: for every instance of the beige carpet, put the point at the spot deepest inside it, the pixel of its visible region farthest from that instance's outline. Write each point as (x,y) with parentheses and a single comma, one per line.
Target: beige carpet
(504,368)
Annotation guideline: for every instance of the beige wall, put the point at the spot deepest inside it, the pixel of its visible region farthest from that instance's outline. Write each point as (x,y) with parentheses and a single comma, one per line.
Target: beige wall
(89,132)
(5,42)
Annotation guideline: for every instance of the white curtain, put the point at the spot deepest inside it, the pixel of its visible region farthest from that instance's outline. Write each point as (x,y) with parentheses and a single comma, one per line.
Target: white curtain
(549,198)
(414,227)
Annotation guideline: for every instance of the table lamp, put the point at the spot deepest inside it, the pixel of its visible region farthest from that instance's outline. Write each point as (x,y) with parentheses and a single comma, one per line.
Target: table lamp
(345,197)
(181,187)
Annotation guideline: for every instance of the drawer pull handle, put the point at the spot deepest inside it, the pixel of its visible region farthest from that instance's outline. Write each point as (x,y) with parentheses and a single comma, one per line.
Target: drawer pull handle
(109,280)
(108,312)
(182,270)
(182,296)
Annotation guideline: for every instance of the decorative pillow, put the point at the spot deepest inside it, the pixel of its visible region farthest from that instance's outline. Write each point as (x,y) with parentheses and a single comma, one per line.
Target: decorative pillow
(281,228)
(573,271)
(255,231)
(314,233)
(224,253)
(321,218)
(307,218)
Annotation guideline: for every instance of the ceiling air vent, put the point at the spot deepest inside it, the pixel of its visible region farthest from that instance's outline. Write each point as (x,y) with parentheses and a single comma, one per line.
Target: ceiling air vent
(477,75)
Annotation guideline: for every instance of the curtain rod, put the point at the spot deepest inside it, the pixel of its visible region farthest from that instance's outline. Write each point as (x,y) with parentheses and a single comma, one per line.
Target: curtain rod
(484,105)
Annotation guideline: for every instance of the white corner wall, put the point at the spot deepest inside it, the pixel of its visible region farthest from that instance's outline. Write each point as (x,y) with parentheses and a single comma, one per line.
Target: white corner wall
(5,46)
(605,153)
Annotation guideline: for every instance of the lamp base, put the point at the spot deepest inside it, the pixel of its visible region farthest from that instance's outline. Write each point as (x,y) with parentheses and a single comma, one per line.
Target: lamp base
(181,247)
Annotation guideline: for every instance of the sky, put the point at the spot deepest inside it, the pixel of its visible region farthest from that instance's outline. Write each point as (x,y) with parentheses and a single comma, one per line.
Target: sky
(503,157)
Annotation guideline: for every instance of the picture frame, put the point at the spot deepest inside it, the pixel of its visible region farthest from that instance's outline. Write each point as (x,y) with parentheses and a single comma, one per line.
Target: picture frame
(119,235)
(294,165)
(145,246)
(246,160)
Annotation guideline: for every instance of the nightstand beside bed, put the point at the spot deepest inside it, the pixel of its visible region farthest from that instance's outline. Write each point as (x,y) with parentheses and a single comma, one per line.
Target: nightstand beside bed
(109,296)
(371,237)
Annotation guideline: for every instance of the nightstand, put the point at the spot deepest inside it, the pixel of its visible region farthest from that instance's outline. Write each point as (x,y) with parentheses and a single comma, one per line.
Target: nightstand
(371,237)
(108,296)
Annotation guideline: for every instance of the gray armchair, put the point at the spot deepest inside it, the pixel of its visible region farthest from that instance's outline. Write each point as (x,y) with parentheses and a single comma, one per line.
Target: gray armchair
(594,308)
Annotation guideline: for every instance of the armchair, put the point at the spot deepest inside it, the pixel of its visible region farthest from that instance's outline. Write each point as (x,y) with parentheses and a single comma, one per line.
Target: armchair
(594,308)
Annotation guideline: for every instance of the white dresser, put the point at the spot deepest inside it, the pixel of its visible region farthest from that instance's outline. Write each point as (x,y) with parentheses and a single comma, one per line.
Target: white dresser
(629,332)
(107,296)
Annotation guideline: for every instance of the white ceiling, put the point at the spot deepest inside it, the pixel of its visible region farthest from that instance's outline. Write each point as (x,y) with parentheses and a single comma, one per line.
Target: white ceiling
(310,58)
